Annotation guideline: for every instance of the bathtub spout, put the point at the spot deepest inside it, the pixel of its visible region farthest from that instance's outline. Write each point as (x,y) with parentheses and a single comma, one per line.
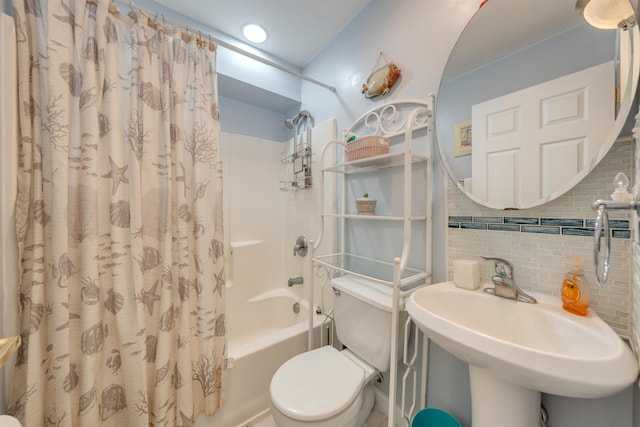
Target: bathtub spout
(295,281)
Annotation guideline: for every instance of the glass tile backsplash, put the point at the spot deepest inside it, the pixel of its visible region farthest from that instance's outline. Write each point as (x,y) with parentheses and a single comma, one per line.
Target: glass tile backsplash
(568,226)
(538,240)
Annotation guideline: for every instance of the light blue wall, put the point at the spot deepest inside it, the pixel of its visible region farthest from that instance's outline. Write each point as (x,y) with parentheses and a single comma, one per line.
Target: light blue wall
(418,35)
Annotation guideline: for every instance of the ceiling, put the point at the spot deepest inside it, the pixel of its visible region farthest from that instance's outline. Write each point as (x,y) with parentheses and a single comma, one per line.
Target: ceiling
(495,32)
(297,29)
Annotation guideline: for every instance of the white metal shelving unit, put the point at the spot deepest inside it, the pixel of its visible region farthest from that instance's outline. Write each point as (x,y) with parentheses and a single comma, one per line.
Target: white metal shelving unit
(399,121)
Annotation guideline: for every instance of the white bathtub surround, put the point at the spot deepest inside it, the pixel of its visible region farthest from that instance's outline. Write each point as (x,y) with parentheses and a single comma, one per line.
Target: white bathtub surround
(263,319)
(540,259)
(262,221)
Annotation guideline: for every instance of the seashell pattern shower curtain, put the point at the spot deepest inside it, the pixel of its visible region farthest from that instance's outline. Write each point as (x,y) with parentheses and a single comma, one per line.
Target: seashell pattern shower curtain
(119,221)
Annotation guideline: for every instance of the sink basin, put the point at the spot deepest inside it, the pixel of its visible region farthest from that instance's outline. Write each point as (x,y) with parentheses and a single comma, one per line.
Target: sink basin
(530,347)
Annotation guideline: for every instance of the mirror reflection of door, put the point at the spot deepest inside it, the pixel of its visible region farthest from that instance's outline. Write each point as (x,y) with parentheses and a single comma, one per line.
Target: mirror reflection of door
(530,143)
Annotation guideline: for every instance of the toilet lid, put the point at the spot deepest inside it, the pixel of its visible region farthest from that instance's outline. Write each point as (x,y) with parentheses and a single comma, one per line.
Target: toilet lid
(316,385)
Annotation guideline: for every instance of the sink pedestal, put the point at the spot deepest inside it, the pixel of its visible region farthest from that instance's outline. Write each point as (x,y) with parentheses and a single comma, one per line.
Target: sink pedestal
(497,403)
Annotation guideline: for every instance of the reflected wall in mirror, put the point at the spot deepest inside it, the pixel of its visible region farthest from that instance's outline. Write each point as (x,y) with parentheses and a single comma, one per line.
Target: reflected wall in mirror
(544,48)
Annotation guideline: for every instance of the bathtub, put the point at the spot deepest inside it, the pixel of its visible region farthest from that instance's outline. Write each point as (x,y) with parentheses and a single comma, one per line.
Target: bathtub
(262,334)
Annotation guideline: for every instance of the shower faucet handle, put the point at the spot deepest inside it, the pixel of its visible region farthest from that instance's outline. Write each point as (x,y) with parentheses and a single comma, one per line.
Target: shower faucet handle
(300,247)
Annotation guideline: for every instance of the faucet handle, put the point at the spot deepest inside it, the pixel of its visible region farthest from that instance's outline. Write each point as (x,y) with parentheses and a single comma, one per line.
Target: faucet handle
(503,267)
(300,247)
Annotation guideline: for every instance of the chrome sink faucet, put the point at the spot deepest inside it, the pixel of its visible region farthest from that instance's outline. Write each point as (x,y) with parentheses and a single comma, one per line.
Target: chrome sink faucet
(505,285)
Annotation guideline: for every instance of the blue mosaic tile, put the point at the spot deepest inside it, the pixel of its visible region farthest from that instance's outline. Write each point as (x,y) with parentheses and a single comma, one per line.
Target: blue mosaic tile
(460,219)
(613,223)
(517,220)
(564,226)
(504,227)
(488,219)
(562,222)
(621,234)
(619,223)
(473,226)
(540,230)
(579,231)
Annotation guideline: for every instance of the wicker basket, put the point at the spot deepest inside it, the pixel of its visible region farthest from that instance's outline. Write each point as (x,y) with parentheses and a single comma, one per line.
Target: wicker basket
(367,146)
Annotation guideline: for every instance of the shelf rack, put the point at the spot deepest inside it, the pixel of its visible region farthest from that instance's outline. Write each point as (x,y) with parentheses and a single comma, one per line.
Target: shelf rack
(398,121)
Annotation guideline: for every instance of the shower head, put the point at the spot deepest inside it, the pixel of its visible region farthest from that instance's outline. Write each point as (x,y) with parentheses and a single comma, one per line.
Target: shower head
(289,123)
(293,122)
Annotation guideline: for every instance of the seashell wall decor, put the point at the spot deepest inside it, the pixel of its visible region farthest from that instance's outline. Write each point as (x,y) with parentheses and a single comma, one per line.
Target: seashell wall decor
(382,78)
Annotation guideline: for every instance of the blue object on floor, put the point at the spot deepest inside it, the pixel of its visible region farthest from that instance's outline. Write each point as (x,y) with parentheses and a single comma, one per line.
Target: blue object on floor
(434,417)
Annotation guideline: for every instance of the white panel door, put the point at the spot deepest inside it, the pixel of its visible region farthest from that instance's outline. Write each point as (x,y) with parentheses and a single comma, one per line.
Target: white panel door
(550,131)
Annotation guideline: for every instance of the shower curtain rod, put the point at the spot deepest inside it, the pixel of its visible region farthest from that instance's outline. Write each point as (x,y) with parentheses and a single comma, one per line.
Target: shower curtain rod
(229,46)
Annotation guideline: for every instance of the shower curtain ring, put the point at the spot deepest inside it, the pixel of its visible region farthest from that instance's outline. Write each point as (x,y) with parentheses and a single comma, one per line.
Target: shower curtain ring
(186,37)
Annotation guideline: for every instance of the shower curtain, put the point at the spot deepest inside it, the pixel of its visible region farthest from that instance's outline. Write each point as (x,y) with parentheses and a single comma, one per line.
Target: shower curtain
(119,220)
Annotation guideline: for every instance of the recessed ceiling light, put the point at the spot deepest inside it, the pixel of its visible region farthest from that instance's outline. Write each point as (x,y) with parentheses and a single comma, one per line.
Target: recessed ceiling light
(254,33)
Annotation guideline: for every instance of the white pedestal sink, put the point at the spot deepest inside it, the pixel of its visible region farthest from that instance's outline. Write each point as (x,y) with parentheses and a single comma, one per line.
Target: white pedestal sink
(516,350)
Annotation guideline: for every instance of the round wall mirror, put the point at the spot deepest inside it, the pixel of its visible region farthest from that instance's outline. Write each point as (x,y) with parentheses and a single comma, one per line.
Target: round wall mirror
(531,99)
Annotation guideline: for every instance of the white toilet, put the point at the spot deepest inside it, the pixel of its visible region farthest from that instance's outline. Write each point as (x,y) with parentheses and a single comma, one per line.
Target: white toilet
(330,388)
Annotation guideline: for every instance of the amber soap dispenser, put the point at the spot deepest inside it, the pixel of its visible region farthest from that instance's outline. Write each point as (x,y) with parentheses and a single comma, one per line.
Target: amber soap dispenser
(575,290)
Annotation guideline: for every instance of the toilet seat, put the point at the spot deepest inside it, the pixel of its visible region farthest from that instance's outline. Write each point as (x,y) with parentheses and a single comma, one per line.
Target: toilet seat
(316,385)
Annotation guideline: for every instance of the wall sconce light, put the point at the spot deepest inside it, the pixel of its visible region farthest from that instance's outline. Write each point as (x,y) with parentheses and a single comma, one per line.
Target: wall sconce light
(607,14)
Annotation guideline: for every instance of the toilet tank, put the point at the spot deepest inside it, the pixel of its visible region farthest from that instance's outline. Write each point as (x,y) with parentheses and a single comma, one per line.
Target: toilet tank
(362,313)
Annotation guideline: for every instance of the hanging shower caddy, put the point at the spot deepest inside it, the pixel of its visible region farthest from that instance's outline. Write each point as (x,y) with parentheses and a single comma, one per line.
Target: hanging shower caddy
(398,123)
(297,163)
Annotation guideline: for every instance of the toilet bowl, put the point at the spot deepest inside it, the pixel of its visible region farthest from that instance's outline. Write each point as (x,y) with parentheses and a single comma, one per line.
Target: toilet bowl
(330,388)
(322,388)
